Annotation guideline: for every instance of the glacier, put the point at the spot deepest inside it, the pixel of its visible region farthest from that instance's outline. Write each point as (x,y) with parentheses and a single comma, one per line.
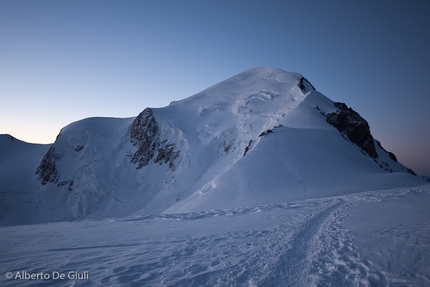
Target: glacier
(259,180)
(261,136)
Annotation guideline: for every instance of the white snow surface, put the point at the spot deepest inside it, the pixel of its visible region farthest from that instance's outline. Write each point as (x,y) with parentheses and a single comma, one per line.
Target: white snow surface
(303,157)
(377,238)
(263,192)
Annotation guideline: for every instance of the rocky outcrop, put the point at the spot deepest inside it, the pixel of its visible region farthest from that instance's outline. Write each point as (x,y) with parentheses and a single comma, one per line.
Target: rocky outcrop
(353,126)
(66,182)
(305,85)
(247,148)
(390,154)
(394,158)
(144,135)
(47,170)
(265,133)
(166,153)
(356,129)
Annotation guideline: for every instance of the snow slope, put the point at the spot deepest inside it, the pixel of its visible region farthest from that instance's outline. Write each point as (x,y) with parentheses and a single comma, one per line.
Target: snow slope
(378,238)
(18,163)
(262,136)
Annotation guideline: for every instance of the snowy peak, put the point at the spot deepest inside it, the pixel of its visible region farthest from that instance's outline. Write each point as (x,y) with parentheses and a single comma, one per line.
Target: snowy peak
(249,82)
(259,137)
(229,114)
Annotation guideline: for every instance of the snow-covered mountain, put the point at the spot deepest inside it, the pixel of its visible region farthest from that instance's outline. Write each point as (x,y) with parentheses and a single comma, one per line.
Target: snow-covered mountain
(262,136)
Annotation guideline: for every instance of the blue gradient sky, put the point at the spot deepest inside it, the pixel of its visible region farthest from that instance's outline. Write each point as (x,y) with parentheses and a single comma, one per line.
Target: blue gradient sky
(61,61)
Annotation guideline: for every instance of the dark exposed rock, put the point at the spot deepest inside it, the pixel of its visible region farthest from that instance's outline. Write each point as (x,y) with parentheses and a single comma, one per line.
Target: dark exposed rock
(265,133)
(410,171)
(226,147)
(166,153)
(144,135)
(386,166)
(390,154)
(341,106)
(247,147)
(79,148)
(357,130)
(353,126)
(394,158)
(66,182)
(302,85)
(47,170)
(262,134)
(143,132)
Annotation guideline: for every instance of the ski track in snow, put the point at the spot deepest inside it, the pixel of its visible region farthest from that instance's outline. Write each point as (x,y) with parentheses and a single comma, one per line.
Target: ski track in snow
(301,243)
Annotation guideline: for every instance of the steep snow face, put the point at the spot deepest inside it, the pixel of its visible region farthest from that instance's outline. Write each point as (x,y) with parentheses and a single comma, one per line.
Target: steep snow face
(259,137)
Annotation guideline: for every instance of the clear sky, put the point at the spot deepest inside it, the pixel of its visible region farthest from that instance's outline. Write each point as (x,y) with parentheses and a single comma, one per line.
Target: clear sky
(62,61)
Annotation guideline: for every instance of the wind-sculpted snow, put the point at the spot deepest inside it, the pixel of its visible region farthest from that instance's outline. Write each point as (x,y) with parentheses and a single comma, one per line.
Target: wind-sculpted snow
(318,242)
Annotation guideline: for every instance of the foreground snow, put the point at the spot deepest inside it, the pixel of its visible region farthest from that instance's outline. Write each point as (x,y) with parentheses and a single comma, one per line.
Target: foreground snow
(378,238)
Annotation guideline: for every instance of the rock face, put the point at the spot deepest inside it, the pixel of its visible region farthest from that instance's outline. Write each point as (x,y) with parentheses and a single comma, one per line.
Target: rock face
(353,126)
(144,134)
(47,170)
(305,85)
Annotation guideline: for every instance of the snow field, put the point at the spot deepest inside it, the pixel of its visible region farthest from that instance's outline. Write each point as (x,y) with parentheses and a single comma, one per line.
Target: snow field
(335,241)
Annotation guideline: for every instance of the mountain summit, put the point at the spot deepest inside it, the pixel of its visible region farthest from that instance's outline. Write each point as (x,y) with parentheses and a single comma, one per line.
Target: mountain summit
(262,136)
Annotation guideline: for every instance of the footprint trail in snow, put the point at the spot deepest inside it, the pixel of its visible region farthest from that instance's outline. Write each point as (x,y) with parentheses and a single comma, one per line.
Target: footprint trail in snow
(303,243)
